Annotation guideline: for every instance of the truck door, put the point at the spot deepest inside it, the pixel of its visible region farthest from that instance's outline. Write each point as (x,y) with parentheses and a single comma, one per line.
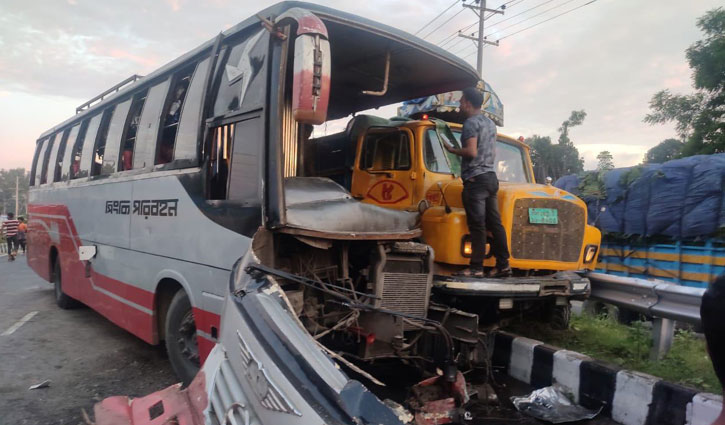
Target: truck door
(384,172)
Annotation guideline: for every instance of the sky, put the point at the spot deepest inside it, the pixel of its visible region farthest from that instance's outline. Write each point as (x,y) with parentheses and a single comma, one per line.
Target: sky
(608,58)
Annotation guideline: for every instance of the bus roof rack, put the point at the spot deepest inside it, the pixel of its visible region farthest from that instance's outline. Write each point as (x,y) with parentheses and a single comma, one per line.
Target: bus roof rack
(113,89)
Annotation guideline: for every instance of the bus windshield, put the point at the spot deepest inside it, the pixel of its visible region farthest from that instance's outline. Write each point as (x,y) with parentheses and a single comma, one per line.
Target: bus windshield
(510,164)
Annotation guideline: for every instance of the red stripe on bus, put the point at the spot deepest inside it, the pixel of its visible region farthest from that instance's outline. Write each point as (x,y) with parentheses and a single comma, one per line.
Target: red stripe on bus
(77,285)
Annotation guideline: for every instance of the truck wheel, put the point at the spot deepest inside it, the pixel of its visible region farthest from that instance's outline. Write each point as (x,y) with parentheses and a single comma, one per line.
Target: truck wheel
(181,341)
(61,299)
(558,316)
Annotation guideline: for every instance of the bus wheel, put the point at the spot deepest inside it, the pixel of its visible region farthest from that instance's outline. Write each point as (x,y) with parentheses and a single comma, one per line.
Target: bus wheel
(181,341)
(61,299)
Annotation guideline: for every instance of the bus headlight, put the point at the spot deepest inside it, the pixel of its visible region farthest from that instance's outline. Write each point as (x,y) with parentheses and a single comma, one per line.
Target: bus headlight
(589,253)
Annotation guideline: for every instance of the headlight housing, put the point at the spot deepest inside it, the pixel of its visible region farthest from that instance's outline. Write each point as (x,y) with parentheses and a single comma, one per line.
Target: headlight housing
(590,252)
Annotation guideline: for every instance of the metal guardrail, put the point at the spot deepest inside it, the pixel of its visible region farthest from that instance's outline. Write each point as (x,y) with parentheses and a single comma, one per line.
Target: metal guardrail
(664,302)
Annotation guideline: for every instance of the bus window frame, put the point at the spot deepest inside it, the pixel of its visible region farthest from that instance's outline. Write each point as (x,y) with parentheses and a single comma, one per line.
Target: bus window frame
(175,78)
(113,137)
(139,96)
(78,143)
(62,147)
(147,135)
(44,165)
(89,145)
(34,167)
(102,135)
(52,157)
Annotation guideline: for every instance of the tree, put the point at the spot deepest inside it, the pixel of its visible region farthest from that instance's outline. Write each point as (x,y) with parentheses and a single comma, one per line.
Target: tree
(700,117)
(7,190)
(556,160)
(606,161)
(666,150)
(576,118)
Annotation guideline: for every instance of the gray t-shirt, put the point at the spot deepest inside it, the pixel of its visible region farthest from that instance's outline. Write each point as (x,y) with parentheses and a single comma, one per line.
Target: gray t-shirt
(484,130)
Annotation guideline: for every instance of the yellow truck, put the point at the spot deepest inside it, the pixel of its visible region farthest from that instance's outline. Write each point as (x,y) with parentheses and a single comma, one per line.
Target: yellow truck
(402,164)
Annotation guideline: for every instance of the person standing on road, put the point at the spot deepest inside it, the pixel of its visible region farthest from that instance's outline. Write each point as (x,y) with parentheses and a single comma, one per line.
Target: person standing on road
(10,228)
(713,326)
(480,186)
(22,231)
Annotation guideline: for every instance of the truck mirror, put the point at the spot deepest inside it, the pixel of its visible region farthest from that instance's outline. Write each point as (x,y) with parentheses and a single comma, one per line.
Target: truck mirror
(311,81)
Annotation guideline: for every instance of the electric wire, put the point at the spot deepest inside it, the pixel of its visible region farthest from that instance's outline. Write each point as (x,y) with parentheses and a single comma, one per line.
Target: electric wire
(522,12)
(437,16)
(443,23)
(532,17)
(539,23)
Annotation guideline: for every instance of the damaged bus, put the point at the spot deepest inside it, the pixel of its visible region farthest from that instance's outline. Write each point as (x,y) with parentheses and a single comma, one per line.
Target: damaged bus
(177,205)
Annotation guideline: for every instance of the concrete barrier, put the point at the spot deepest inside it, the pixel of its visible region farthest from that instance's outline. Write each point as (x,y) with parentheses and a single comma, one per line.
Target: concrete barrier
(628,397)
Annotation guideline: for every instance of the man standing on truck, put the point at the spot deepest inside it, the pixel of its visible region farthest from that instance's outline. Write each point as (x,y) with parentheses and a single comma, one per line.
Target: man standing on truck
(480,186)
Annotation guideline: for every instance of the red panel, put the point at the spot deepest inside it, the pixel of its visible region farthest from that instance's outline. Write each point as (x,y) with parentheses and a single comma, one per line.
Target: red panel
(104,294)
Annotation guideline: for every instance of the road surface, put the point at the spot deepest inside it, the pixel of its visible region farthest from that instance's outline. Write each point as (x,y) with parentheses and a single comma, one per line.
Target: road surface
(87,358)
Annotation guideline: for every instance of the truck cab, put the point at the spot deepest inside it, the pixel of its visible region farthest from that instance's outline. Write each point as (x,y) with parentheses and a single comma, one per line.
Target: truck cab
(402,164)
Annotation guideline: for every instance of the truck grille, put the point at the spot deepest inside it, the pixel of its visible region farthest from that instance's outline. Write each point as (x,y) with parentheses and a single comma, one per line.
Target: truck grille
(555,242)
(406,293)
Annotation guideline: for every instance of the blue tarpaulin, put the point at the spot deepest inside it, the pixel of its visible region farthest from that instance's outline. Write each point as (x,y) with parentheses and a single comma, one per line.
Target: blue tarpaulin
(682,198)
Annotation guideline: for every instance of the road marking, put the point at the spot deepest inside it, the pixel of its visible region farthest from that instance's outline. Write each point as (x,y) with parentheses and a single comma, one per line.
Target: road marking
(19,323)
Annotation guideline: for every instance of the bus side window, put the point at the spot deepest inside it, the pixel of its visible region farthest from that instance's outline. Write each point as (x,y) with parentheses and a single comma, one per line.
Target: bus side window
(51,155)
(147,132)
(128,140)
(89,145)
(219,161)
(43,161)
(172,113)
(100,146)
(33,170)
(187,137)
(60,155)
(75,164)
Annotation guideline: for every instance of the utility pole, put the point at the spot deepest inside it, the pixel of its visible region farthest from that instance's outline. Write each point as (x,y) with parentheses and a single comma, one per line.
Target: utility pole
(480,41)
(16,195)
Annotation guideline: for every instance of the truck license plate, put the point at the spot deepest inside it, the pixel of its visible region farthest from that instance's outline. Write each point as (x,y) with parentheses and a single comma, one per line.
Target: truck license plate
(543,216)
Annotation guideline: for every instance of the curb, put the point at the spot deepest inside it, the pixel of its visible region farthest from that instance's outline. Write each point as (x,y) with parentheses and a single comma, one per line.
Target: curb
(628,397)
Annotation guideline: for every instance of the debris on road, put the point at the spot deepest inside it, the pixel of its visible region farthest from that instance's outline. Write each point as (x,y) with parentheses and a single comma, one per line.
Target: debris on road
(44,384)
(437,401)
(551,404)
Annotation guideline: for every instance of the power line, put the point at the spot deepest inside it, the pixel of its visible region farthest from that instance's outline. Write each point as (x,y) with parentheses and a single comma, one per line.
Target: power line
(547,20)
(437,16)
(444,22)
(522,12)
(539,23)
(534,16)
(453,35)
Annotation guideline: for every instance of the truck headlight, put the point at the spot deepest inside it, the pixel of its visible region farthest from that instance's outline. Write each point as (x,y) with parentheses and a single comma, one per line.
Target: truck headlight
(466,247)
(590,252)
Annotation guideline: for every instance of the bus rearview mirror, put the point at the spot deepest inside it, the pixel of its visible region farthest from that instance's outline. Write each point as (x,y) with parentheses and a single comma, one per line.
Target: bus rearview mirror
(311,80)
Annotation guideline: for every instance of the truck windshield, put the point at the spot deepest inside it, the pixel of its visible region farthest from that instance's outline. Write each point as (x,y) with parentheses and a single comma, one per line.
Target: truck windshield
(510,165)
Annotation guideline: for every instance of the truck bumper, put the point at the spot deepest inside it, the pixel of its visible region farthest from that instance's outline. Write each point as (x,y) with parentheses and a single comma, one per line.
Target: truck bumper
(560,284)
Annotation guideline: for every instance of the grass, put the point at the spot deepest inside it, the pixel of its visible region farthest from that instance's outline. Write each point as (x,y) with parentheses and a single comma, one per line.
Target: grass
(605,339)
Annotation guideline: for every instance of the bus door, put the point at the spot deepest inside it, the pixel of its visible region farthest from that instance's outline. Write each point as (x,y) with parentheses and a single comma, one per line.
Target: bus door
(384,171)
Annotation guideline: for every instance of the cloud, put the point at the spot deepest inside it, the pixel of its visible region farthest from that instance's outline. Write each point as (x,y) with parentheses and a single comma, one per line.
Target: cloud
(608,58)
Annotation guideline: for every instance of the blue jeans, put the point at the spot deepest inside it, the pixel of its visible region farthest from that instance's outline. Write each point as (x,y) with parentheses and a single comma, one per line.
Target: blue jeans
(481,205)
